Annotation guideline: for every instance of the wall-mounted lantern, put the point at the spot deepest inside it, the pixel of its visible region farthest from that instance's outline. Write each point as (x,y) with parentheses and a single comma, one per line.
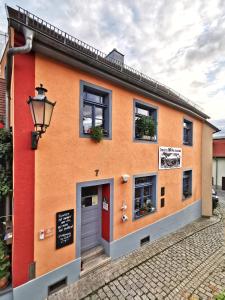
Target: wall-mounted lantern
(41,109)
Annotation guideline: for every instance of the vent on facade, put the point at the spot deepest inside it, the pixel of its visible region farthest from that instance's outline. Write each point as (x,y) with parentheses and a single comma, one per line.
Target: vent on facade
(57,286)
(116,56)
(145,240)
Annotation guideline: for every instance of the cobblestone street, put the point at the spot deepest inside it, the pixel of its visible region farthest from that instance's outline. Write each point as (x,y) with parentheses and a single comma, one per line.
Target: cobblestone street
(188,264)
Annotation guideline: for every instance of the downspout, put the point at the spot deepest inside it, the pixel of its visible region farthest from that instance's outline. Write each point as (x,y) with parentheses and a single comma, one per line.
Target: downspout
(28,35)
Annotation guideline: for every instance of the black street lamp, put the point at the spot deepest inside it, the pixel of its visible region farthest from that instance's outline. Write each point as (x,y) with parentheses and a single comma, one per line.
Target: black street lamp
(41,109)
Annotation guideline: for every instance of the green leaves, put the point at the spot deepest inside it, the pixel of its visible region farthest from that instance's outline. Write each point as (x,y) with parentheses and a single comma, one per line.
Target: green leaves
(4,261)
(97,134)
(6,154)
(221,296)
(145,126)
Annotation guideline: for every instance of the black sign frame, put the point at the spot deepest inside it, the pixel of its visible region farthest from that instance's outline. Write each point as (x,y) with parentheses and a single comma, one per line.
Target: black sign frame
(64,228)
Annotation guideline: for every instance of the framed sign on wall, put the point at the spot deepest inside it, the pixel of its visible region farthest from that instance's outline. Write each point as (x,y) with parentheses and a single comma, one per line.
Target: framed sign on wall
(64,228)
(170,158)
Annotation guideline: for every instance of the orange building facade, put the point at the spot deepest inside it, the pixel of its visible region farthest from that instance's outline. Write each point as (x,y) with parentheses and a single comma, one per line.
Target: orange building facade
(130,188)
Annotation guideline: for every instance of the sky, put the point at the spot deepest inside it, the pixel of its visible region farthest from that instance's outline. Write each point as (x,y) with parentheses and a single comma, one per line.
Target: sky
(180,43)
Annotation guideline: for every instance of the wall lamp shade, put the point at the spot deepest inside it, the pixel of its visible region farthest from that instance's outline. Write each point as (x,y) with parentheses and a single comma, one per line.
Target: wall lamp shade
(41,110)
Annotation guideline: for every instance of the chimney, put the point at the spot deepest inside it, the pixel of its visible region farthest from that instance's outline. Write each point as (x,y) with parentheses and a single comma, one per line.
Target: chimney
(114,54)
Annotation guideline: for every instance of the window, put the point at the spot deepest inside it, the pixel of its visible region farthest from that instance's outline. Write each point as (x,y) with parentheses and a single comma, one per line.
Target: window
(144,196)
(187,184)
(145,122)
(162,202)
(89,196)
(187,132)
(95,109)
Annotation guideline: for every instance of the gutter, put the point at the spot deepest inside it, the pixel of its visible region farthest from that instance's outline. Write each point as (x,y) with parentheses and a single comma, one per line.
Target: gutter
(28,35)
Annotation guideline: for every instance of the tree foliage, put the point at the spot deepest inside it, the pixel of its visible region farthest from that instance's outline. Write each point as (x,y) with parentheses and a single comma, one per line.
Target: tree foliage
(5,163)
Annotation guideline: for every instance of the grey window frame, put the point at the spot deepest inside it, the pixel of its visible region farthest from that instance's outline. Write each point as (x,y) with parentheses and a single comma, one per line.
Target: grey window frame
(148,106)
(154,193)
(191,183)
(189,142)
(107,94)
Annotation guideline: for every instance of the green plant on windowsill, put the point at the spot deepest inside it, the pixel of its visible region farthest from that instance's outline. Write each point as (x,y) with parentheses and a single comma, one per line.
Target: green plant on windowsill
(4,265)
(97,134)
(145,127)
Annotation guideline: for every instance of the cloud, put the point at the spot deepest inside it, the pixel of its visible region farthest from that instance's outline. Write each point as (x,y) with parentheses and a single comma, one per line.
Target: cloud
(179,43)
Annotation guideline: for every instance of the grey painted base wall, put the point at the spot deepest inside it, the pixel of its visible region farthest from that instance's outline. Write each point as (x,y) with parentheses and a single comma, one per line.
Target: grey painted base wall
(8,295)
(156,230)
(37,289)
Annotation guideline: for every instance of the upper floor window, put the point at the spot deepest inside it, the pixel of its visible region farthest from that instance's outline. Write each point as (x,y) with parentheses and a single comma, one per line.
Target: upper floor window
(187,184)
(145,122)
(187,132)
(95,109)
(144,196)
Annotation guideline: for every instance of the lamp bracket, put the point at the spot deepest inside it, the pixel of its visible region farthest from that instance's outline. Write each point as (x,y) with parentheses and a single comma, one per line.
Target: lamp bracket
(35,135)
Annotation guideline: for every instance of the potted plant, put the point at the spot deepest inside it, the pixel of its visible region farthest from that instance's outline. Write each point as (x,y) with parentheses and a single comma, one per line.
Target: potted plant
(4,265)
(145,127)
(97,134)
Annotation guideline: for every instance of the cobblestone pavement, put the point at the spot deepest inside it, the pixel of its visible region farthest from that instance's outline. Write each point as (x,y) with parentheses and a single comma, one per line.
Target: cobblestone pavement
(188,264)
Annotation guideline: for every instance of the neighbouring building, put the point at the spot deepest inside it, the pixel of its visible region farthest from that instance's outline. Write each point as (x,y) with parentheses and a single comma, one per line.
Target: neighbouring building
(150,174)
(219,156)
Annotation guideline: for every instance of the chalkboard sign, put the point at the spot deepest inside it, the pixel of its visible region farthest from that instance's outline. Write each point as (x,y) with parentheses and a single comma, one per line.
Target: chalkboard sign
(64,228)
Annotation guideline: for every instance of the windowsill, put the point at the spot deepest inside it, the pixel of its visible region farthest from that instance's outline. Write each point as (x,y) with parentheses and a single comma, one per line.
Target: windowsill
(140,140)
(188,197)
(86,135)
(141,217)
(187,144)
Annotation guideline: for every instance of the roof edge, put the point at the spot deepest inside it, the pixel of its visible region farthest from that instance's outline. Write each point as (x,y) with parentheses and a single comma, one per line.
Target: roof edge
(21,18)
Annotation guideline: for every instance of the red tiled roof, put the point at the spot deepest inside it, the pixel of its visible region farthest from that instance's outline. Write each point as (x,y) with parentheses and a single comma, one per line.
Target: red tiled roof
(2,99)
(219,148)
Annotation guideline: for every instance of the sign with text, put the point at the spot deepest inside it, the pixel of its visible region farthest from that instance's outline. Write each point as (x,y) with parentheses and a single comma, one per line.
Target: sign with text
(64,228)
(170,158)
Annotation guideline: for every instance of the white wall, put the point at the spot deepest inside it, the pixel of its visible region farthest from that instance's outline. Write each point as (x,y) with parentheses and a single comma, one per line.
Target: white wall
(220,170)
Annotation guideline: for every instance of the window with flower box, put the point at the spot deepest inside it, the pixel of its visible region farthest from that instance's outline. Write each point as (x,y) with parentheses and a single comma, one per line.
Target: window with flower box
(95,109)
(145,122)
(144,196)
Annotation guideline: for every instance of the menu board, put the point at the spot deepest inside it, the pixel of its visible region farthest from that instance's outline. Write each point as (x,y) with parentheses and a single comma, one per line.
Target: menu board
(64,228)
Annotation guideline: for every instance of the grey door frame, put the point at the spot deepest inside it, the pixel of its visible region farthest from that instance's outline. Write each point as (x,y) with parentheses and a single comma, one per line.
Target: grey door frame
(79,186)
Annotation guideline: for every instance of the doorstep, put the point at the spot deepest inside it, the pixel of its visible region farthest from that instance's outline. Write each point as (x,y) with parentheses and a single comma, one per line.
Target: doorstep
(93,259)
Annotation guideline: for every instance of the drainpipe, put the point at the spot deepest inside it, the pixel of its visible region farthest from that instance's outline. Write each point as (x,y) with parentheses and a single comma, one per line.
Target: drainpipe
(28,34)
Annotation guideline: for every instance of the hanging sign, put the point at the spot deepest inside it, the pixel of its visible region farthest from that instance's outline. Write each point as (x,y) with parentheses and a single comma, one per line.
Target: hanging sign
(170,158)
(64,228)
(105,204)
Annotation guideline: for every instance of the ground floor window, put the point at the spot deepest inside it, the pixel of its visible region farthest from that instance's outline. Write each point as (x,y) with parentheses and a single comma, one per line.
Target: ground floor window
(144,196)
(187,184)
